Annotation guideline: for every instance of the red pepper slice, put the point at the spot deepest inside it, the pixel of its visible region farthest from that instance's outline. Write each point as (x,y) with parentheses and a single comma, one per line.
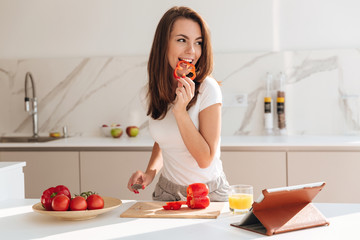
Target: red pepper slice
(184,68)
(49,194)
(197,196)
(174,205)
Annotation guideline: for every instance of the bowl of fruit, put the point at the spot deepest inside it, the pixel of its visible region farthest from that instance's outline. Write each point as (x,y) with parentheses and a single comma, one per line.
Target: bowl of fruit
(112,130)
(57,202)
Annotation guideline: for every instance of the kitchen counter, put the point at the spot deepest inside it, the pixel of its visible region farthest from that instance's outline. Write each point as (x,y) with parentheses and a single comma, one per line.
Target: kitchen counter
(228,143)
(18,221)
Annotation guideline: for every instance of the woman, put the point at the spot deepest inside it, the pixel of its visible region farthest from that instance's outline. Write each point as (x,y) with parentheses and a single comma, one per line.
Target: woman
(185,115)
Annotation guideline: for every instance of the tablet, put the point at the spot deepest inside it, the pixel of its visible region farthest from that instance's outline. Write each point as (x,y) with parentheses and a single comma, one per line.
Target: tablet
(284,209)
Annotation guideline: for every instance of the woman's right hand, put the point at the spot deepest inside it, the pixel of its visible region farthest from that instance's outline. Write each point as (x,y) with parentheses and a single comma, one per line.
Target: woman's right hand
(185,91)
(139,177)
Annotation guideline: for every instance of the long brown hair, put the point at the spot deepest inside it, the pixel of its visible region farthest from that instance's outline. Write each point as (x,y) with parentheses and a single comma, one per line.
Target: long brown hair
(160,87)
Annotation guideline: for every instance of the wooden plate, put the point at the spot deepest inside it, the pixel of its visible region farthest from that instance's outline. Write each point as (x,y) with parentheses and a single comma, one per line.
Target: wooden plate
(109,204)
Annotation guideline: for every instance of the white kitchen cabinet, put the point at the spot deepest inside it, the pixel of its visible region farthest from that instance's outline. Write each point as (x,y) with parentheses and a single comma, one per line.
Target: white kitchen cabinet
(46,169)
(12,172)
(340,171)
(259,169)
(108,173)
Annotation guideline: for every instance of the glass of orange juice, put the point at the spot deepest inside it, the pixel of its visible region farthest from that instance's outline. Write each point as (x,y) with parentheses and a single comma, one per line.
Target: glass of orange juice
(240,198)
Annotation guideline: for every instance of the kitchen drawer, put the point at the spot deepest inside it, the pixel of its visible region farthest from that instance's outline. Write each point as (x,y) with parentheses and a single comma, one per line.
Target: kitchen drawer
(340,171)
(108,173)
(46,169)
(259,169)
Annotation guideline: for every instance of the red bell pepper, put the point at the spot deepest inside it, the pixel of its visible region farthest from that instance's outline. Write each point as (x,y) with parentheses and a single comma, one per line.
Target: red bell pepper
(174,205)
(184,68)
(49,194)
(197,195)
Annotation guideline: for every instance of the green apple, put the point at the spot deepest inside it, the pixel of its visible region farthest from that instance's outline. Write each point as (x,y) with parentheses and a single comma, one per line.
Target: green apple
(116,132)
(132,131)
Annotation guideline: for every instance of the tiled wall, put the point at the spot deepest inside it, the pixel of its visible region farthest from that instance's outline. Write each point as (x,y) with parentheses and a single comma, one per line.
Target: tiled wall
(322,92)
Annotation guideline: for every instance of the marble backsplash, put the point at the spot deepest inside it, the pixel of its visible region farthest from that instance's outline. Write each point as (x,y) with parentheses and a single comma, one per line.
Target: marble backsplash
(322,92)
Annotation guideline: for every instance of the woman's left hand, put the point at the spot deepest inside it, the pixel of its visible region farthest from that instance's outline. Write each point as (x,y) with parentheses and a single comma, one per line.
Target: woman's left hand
(184,93)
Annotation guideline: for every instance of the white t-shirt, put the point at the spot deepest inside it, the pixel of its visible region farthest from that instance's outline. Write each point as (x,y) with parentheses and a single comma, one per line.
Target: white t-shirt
(179,165)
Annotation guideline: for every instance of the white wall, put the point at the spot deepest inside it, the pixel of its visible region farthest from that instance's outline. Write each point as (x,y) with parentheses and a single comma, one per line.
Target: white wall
(68,35)
(318,24)
(42,28)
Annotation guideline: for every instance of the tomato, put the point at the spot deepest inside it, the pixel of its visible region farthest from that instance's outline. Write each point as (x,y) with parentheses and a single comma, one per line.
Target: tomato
(95,201)
(78,203)
(60,202)
(50,193)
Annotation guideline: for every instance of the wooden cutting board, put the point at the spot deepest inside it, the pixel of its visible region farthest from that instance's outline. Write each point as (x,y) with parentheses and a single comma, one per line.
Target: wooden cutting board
(155,210)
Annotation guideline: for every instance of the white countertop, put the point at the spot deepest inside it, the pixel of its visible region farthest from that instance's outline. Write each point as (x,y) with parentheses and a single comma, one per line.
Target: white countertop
(145,143)
(291,143)
(5,166)
(18,221)
(86,143)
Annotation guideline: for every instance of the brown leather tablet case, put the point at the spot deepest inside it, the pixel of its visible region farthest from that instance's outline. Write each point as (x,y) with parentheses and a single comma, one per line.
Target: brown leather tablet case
(284,211)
